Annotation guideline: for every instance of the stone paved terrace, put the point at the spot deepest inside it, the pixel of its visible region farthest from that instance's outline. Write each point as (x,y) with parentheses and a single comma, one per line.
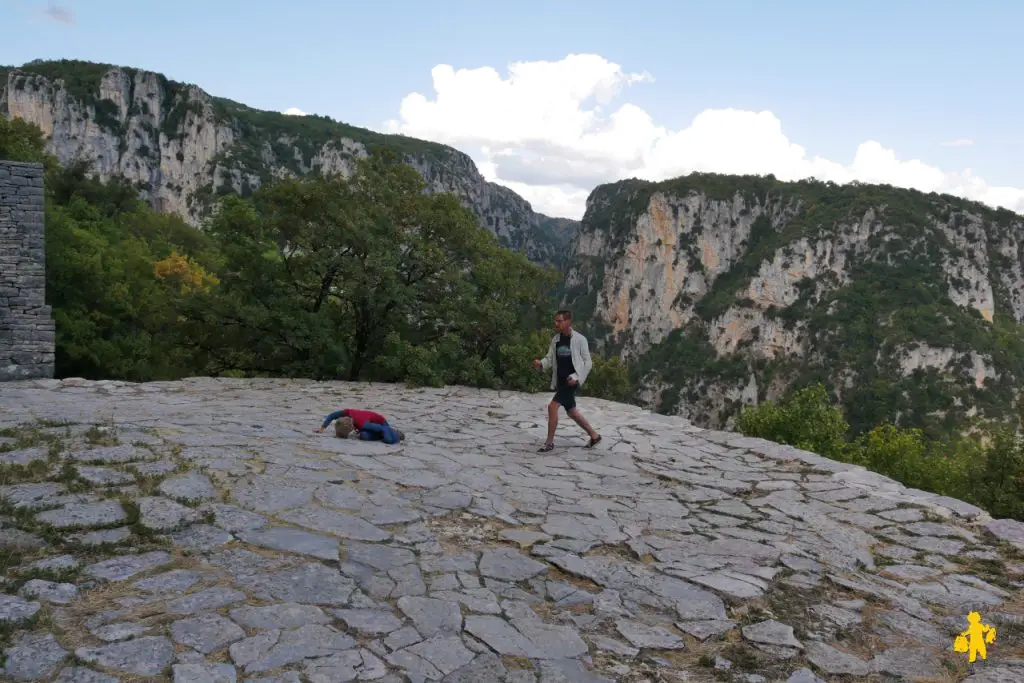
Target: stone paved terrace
(200,531)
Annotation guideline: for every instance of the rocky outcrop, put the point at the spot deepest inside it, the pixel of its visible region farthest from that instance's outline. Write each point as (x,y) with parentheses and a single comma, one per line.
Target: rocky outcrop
(758,280)
(206,533)
(184,147)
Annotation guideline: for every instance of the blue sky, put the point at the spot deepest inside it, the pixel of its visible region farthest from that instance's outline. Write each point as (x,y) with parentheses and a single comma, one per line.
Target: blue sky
(908,74)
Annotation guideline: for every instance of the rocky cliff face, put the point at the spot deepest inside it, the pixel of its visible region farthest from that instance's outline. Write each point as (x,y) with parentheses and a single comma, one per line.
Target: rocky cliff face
(724,291)
(184,147)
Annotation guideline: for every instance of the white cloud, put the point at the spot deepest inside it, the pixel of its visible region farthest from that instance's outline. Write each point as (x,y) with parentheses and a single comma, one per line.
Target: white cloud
(294,111)
(960,142)
(548,132)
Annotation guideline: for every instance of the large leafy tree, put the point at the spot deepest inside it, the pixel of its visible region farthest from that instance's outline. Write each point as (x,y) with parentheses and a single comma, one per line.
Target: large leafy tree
(115,310)
(23,141)
(361,277)
(115,274)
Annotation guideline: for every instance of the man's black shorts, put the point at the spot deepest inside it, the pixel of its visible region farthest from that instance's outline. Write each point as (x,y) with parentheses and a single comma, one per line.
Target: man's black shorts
(565,396)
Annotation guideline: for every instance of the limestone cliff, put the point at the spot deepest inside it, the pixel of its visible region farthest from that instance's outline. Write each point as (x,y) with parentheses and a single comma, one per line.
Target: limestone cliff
(728,290)
(184,147)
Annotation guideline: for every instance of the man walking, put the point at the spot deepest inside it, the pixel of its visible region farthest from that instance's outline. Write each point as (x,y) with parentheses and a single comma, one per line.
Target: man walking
(569,359)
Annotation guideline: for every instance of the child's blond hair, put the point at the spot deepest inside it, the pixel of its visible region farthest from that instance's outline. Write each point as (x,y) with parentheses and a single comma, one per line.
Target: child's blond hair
(343,426)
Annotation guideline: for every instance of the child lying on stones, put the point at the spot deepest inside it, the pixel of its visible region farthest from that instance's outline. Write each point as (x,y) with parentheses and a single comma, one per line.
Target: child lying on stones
(362,424)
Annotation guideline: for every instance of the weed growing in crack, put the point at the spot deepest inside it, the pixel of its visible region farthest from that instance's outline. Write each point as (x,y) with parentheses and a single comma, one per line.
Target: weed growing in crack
(34,435)
(103,434)
(32,472)
(989,570)
(882,561)
(72,480)
(146,484)
(23,519)
(742,657)
(9,628)
(141,532)
(9,560)
(131,510)
(23,576)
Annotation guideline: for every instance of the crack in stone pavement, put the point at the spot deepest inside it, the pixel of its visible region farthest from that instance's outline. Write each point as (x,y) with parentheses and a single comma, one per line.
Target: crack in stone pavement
(201,531)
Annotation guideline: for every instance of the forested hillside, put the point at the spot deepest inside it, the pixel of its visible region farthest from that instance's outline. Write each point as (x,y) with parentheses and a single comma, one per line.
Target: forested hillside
(723,291)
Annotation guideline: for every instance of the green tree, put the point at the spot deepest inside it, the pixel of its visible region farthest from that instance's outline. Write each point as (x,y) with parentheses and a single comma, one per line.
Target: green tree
(986,468)
(23,141)
(364,277)
(116,317)
(515,361)
(901,454)
(608,379)
(467,337)
(268,315)
(807,420)
(110,199)
(997,476)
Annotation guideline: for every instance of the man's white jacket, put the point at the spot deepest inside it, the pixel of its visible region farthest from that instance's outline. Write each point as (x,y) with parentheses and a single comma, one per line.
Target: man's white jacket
(581,361)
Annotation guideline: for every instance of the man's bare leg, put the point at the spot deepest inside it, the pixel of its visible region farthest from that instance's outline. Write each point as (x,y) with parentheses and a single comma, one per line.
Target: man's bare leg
(578,418)
(552,421)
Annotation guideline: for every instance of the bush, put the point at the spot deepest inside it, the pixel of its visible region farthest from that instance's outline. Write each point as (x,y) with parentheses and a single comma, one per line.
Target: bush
(608,379)
(515,362)
(807,421)
(986,470)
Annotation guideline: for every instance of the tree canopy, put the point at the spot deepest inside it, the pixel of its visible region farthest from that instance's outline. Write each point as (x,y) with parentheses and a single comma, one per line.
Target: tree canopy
(986,469)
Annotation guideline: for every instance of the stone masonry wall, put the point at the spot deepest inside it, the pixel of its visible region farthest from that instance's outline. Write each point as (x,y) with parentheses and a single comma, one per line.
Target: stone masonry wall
(27,330)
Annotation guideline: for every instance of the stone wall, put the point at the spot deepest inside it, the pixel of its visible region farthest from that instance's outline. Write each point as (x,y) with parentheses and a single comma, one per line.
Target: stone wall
(27,331)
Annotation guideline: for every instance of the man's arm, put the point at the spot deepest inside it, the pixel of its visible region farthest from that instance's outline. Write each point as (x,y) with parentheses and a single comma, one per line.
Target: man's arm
(547,360)
(588,362)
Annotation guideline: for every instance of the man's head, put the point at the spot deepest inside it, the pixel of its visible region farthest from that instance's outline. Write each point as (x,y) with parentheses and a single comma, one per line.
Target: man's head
(343,427)
(563,321)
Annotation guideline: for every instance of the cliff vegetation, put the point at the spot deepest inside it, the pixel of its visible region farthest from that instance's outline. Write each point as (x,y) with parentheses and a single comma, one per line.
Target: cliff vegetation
(987,472)
(185,149)
(725,291)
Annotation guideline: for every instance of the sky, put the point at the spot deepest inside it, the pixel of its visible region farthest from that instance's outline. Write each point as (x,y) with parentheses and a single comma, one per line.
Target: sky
(553,98)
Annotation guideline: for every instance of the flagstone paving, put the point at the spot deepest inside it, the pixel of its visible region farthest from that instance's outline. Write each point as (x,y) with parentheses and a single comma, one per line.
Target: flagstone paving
(200,531)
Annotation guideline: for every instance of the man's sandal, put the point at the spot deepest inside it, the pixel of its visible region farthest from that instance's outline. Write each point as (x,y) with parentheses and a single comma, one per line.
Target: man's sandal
(594,442)
(546,447)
